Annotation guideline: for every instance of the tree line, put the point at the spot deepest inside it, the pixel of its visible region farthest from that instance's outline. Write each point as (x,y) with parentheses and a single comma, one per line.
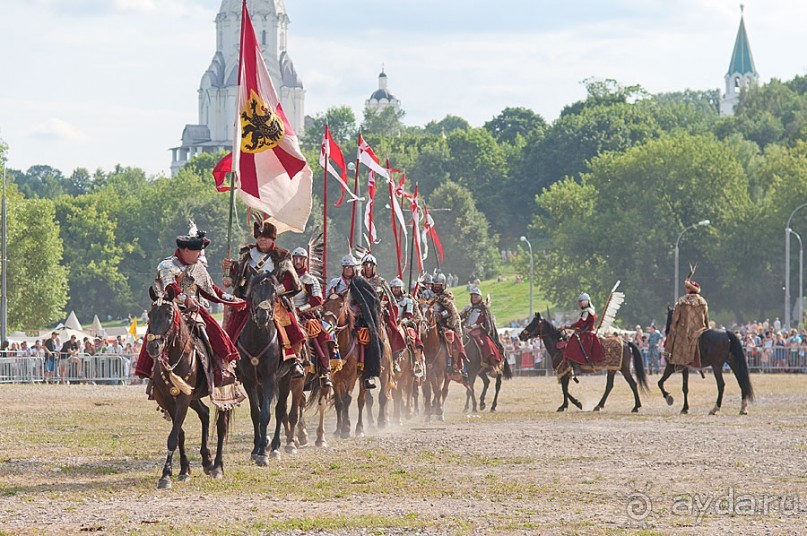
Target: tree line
(602,192)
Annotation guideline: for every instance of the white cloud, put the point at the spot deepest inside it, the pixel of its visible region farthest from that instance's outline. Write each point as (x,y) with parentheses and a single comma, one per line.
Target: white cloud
(57,130)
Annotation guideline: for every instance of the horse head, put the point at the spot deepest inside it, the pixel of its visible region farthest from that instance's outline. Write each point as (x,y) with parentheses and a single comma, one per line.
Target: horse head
(534,329)
(261,294)
(163,319)
(669,320)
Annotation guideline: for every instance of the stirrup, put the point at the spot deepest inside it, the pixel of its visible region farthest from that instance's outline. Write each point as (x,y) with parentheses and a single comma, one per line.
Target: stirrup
(369,383)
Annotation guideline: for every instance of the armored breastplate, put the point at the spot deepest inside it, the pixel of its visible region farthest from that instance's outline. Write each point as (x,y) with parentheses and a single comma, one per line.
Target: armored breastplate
(473,317)
(260,262)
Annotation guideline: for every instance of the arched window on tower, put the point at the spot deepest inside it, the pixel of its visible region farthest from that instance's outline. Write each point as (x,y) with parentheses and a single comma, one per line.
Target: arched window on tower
(737,82)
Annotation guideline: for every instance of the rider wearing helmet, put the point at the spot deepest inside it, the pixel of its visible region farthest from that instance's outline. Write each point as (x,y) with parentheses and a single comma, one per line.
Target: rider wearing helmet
(308,303)
(585,348)
(448,322)
(478,323)
(397,341)
(407,311)
(425,290)
(265,256)
(339,285)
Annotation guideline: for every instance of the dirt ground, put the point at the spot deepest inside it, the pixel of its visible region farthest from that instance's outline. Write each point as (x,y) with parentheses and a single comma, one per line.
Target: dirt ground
(86,459)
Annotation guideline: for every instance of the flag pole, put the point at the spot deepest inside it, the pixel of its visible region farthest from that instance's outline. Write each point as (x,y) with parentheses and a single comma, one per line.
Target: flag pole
(230,221)
(324,213)
(356,194)
(411,254)
(394,226)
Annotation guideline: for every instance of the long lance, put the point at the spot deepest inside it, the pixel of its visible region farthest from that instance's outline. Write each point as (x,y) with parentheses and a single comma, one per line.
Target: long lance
(230,221)
(411,254)
(355,194)
(394,226)
(325,217)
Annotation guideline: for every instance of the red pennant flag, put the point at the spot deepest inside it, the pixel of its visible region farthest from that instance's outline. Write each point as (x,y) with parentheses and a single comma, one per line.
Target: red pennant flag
(369,222)
(367,156)
(224,166)
(414,203)
(431,232)
(273,176)
(329,150)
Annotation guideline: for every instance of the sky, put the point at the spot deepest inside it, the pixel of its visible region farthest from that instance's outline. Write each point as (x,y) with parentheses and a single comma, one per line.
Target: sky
(95,83)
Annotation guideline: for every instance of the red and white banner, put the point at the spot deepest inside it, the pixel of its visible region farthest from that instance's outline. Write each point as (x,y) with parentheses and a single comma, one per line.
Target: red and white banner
(367,156)
(369,222)
(272,174)
(329,150)
(430,232)
(414,204)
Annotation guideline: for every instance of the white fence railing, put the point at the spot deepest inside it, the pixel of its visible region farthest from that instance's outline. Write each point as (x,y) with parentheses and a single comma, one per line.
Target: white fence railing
(100,368)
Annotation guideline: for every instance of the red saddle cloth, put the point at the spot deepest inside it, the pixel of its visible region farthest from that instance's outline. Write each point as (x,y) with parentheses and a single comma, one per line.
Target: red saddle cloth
(487,345)
(590,343)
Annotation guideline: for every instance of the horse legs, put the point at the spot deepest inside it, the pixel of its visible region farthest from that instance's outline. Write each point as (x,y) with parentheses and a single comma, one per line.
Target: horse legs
(443,395)
(485,384)
(184,463)
(609,384)
(177,418)
(427,398)
(637,403)
(717,370)
(668,371)
(302,431)
(264,415)
(685,389)
(322,407)
(567,396)
(280,412)
(415,403)
(346,401)
(222,424)
(470,394)
(255,414)
(496,395)
(204,416)
(361,402)
(291,418)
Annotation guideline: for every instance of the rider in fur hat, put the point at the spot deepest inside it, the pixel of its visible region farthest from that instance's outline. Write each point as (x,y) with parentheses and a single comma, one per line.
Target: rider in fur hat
(690,319)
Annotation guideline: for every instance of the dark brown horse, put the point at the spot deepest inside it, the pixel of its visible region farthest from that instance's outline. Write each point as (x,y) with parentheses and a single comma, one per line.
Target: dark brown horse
(550,336)
(257,369)
(717,347)
(179,382)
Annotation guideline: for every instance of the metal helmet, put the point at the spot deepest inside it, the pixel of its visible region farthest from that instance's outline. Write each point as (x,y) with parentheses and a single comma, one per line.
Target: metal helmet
(584,297)
(439,279)
(476,291)
(369,258)
(396,283)
(349,260)
(299,252)
(427,279)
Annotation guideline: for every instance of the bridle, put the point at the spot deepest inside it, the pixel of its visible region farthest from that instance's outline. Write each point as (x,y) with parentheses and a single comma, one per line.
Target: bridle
(170,337)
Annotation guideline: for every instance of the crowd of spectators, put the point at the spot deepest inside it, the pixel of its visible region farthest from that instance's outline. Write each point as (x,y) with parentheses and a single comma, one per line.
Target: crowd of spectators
(73,359)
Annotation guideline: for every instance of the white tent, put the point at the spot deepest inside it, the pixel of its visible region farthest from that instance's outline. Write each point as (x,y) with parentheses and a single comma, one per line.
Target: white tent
(97,329)
(72,322)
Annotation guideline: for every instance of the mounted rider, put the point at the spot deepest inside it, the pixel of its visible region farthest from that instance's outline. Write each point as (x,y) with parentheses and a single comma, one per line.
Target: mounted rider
(448,322)
(265,256)
(479,325)
(191,283)
(690,319)
(388,309)
(408,316)
(340,285)
(584,346)
(308,303)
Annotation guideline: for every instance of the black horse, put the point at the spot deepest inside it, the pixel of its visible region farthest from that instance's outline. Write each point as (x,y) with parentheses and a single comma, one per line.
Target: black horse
(550,336)
(475,369)
(257,369)
(717,347)
(179,382)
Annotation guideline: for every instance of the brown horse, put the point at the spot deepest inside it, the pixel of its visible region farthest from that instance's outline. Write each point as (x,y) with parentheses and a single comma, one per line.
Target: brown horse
(437,356)
(402,384)
(551,336)
(300,402)
(179,382)
(476,368)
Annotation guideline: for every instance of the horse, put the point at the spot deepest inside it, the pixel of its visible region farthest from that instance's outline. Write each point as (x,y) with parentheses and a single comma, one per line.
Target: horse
(179,382)
(551,336)
(402,383)
(475,369)
(260,352)
(717,347)
(437,379)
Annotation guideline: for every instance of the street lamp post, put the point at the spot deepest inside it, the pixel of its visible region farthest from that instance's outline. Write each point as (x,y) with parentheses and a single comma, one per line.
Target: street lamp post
(701,223)
(801,278)
(3,264)
(787,264)
(524,239)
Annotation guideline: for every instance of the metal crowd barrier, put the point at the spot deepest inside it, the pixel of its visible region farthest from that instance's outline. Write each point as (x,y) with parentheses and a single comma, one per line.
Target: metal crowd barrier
(111,369)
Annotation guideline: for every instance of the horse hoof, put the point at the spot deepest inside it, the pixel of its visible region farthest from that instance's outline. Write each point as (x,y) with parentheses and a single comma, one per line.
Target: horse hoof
(743,412)
(714,411)
(635,410)
(184,478)
(561,409)
(345,435)
(217,473)
(441,418)
(275,454)
(208,468)
(262,461)
(252,457)
(493,409)
(302,442)
(596,409)
(482,406)
(164,483)
(323,443)
(578,404)
(684,412)
(290,449)
(669,400)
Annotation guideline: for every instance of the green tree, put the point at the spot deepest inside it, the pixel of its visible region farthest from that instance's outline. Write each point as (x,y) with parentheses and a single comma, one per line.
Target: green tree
(387,122)
(342,124)
(446,125)
(464,232)
(512,123)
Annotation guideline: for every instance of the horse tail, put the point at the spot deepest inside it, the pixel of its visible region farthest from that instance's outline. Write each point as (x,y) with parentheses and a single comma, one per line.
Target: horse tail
(313,394)
(638,367)
(739,365)
(227,417)
(508,372)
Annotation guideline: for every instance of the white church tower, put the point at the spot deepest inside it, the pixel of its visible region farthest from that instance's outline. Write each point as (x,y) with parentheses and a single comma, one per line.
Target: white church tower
(381,98)
(741,74)
(219,86)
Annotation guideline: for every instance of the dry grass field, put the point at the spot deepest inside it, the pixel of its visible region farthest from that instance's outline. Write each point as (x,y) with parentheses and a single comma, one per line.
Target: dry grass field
(86,459)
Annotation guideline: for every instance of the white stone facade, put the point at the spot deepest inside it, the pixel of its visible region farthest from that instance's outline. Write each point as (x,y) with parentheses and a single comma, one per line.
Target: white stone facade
(381,98)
